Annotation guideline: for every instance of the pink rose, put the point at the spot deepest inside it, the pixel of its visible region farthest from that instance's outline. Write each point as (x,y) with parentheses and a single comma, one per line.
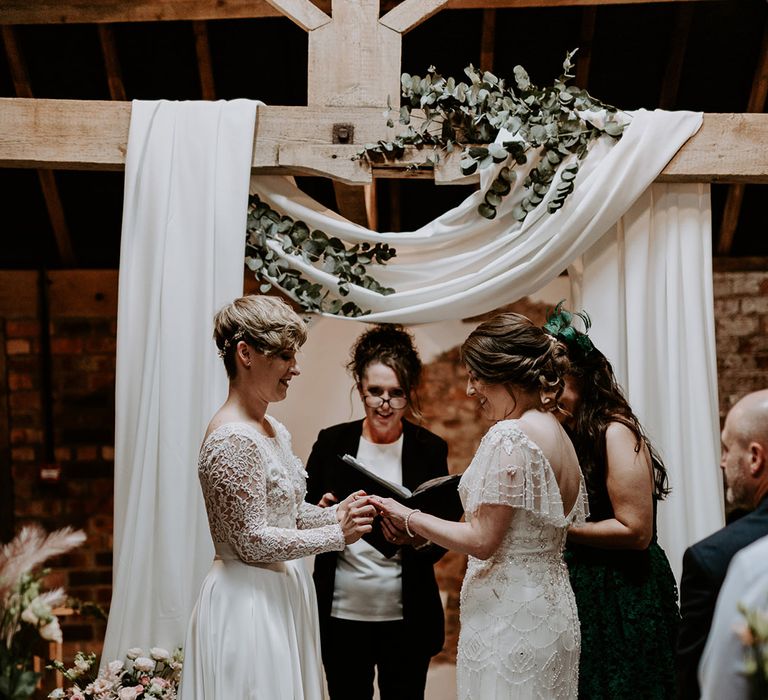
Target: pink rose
(101,685)
(130,693)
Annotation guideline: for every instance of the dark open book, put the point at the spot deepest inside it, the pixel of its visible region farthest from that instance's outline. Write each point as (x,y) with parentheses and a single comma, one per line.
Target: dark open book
(439,497)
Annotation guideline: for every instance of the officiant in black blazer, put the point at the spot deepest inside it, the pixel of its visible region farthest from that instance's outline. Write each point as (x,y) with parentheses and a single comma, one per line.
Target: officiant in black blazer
(379,613)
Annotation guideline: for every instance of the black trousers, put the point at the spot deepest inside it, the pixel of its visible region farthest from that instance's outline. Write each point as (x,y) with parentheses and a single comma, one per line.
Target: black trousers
(352,650)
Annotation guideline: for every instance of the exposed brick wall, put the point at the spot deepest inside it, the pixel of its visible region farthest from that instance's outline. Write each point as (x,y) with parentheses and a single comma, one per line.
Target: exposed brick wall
(741,332)
(82,371)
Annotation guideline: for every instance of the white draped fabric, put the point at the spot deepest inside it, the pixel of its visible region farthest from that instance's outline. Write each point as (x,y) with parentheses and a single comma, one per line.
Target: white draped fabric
(181,259)
(187,174)
(648,286)
(460,264)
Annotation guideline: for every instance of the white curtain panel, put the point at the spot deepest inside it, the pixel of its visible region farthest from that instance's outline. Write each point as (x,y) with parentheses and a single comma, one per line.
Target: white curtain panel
(181,259)
(460,264)
(647,284)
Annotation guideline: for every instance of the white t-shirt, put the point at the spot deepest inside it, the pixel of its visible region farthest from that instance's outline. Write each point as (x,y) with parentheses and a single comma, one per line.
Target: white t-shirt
(368,586)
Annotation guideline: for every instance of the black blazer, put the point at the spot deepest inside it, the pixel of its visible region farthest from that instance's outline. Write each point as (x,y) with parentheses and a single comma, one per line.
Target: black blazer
(424,457)
(704,567)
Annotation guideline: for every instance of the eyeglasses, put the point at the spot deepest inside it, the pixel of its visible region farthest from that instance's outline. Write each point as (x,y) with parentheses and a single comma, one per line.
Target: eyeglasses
(395,402)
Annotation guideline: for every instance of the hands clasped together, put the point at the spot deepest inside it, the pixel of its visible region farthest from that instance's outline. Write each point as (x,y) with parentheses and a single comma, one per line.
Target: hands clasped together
(357,511)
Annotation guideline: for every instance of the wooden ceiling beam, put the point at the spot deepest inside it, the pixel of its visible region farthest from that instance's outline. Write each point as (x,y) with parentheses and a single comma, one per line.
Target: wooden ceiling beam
(46,177)
(304,13)
(16,64)
(93,135)
(204,61)
(111,62)
(679,44)
(411,13)
(735,196)
(357,203)
(113,11)
(488,41)
(584,55)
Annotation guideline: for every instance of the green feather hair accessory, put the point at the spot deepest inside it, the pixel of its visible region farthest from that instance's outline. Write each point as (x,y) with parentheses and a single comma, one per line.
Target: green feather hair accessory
(560,325)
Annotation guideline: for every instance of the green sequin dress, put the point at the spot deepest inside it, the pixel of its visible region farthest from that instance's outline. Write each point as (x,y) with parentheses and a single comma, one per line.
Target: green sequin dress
(629,617)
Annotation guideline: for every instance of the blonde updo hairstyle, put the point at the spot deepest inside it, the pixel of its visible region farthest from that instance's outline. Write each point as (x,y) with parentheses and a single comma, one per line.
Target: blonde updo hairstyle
(266,323)
(510,350)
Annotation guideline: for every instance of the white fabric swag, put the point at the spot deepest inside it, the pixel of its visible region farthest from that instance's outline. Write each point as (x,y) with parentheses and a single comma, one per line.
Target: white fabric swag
(460,264)
(182,258)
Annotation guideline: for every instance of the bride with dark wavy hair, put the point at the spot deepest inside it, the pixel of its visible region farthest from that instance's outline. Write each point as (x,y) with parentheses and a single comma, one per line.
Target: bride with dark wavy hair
(519,627)
(624,587)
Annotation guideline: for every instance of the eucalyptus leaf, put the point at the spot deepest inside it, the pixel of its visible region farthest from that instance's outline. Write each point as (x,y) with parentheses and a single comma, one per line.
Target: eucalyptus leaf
(487,211)
(265,224)
(468,166)
(501,186)
(498,152)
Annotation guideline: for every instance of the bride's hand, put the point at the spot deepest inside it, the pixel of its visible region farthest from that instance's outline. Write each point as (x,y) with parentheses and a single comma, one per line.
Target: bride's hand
(394,532)
(392,510)
(355,515)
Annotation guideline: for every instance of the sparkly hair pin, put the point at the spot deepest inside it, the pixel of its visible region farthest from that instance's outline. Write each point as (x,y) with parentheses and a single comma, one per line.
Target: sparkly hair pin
(560,326)
(238,335)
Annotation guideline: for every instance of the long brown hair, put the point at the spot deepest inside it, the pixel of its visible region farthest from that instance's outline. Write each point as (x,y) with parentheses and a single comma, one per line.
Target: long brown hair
(602,402)
(510,350)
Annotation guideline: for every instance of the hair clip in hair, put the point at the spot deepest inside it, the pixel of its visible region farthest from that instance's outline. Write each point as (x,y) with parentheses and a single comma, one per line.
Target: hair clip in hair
(560,325)
(224,349)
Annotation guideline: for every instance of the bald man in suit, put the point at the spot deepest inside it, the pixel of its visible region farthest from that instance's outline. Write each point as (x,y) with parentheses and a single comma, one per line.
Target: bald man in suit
(744,462)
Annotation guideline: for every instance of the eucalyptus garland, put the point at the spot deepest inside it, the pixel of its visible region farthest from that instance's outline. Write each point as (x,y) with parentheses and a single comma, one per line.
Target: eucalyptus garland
(554,120)
(293,237)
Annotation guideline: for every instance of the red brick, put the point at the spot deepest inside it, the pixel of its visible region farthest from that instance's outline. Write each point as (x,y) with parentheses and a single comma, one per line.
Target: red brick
(18,381)
(62,454)
(20,436)
(87,453)
(24,400)
(22,329)
(23,454)
(18,347)
(105,344)
(66,346)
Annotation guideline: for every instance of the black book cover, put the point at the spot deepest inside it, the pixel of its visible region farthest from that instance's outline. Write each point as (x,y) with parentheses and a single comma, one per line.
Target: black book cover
(439,497)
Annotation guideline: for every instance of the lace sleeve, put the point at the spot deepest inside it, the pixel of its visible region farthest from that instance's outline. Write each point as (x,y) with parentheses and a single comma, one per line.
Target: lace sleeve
(512,471)
(233,479)
(310,516)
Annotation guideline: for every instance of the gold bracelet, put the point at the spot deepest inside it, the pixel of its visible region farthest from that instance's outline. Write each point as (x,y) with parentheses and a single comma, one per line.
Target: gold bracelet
(407,518)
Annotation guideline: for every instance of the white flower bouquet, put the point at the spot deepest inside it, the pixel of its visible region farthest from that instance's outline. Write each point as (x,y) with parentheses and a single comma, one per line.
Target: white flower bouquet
(754,637)
(26,609)
(143,675)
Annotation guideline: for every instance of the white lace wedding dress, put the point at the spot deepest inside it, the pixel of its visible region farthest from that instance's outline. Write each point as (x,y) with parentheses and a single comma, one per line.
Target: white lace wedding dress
(519,627)
(253,634)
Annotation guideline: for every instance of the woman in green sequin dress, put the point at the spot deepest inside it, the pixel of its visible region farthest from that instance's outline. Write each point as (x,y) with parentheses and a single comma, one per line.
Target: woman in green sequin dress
(624,587)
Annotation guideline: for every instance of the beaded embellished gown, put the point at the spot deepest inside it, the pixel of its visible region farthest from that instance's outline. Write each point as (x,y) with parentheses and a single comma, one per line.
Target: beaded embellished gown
(253,634)
(519,626)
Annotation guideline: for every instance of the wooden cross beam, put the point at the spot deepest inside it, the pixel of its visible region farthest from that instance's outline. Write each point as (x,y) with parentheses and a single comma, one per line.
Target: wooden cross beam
(107,11)
(93,135)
